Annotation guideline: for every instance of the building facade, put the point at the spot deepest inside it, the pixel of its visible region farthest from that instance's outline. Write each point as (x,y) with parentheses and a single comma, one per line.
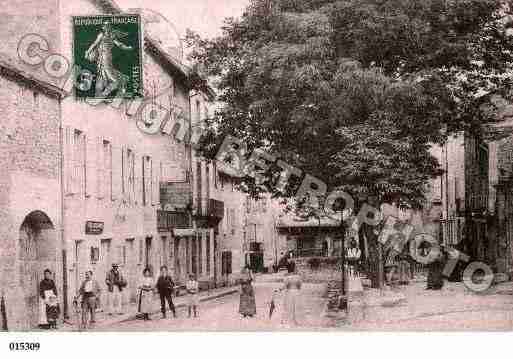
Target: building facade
(30,191)
(82,186)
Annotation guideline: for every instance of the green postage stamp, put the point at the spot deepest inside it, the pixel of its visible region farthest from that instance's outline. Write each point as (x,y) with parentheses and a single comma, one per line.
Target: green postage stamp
(108,51)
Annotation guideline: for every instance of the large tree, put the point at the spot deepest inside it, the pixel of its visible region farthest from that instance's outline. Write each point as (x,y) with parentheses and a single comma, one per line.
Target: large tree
(354,92)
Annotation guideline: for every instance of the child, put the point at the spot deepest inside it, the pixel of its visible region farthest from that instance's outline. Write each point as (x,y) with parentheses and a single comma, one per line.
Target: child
(52,312)
(192,287)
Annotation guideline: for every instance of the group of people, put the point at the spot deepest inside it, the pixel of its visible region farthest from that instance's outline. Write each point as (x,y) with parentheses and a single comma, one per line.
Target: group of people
(164,285)
(289,305)
(88,297)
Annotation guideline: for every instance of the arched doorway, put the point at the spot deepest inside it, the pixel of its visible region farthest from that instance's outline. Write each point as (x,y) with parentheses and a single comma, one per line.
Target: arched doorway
(36,252)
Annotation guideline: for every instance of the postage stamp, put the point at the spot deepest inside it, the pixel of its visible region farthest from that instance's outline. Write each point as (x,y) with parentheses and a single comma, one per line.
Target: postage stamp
(108,51)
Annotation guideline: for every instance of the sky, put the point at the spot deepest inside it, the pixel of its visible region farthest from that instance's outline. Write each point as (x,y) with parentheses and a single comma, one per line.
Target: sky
(203,16)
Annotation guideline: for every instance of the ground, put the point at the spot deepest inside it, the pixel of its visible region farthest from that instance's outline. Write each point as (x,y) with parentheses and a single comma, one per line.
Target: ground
(222,314)
(452,308)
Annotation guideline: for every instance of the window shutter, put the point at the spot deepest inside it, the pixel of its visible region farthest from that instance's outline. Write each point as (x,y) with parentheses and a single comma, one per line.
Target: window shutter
(100,169)
(116,173)
(147,179)
(78,162)
(124,172)
(68,160)
(108,170)
(138,179)
(155,188)
(90,166)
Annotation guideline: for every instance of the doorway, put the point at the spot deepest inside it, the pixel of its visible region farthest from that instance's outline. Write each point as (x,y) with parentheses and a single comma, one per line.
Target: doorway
(37,252)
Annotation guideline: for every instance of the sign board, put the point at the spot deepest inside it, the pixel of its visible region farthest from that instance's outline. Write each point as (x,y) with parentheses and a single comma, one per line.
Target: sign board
(107,52)
(94,227)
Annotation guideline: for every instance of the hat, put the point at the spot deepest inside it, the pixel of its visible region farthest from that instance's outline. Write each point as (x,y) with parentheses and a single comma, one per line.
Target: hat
(115,264)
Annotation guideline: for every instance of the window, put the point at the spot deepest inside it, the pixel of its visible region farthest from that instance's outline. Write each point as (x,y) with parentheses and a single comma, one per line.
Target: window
(214,167)
(187,255)
(106,169)
(207,250)
(233,220)
(198,187)
(146,180)
(78,177)
(121,254)
(200,253)
(95,255)
(164,256)
(207,176)
(226,263)
(130,175)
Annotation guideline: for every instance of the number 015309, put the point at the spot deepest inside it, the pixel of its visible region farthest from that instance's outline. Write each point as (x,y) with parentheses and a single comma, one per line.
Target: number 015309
(24,346)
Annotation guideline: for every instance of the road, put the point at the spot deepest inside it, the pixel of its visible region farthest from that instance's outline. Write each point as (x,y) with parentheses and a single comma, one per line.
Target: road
(452,308)
(222,314)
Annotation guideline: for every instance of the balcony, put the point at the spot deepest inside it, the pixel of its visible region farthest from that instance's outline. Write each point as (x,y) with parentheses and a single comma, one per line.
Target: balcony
(169,220)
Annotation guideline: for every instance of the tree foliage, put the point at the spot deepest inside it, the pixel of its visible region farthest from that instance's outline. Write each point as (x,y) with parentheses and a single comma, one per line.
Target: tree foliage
(354,92)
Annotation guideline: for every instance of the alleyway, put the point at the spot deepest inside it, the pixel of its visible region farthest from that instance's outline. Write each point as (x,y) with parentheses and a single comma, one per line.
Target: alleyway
(222,314)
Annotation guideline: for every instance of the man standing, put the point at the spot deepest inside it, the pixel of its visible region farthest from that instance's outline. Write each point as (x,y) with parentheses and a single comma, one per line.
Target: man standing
(90,292)
(115,284)
(165,287)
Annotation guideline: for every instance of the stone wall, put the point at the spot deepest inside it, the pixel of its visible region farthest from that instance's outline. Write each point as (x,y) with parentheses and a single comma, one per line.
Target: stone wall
(29,181)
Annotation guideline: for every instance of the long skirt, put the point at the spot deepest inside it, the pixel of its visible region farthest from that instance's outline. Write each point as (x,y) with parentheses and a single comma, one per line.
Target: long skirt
(43,320)
(247,304)
(145,301)
(435,279)
(291,307)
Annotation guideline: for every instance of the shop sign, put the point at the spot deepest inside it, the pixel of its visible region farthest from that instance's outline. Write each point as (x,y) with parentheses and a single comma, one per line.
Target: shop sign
(92,227)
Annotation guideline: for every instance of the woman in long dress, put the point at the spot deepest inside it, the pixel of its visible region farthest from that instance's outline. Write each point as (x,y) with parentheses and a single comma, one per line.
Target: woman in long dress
(435,280)
(291,299)
(247,305)
(146,290)
(48,305)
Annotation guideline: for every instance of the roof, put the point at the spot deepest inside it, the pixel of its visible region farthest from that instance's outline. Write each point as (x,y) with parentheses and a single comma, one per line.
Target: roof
(10,69)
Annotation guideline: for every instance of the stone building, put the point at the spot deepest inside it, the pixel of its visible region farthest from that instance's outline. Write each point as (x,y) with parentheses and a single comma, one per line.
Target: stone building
(82,184)
(261,241)
(460,197)
(504,206)
(30,190)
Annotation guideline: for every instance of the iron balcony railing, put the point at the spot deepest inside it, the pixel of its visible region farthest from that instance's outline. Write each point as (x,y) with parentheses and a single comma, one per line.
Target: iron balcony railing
(168,220)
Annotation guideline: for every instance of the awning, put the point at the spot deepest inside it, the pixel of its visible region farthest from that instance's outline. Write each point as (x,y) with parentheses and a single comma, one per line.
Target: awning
(289,222)
(184,232)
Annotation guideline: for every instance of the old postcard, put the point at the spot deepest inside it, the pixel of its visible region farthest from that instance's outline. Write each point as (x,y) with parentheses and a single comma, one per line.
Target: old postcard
(255,165)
